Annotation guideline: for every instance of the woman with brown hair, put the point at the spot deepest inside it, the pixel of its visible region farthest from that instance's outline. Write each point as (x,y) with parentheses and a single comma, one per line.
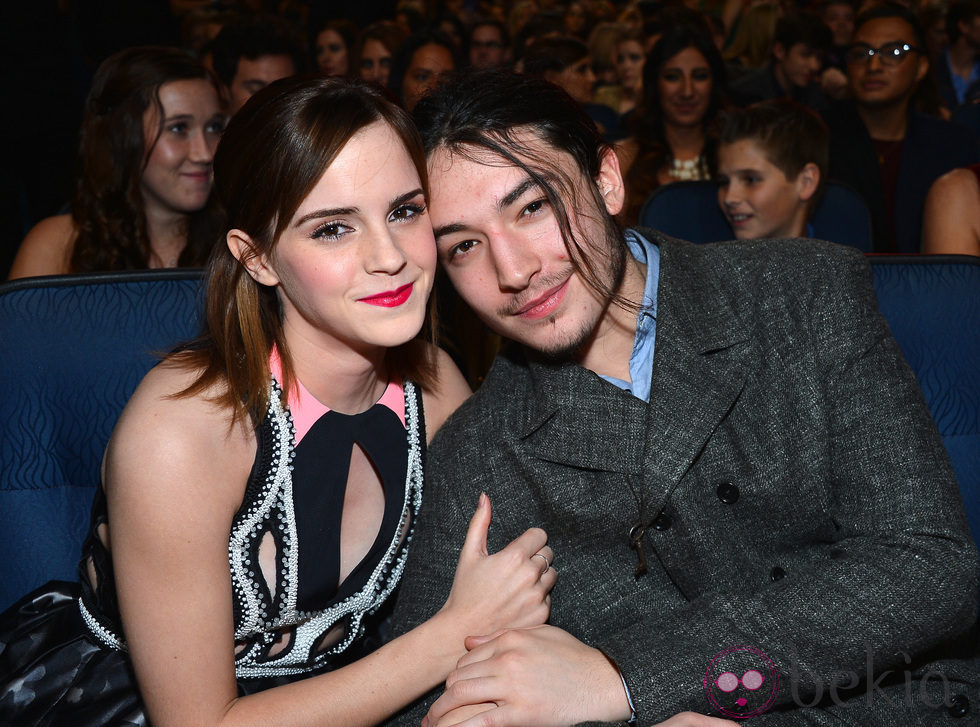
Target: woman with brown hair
(151,125)
(261,488)
(683,91)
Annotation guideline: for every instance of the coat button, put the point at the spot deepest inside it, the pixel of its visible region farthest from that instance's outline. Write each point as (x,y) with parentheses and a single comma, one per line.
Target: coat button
(959,706)
(727,493)
(777,574)
(663,521)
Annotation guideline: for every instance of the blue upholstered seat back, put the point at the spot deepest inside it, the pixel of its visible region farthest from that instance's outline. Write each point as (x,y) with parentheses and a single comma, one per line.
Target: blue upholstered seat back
(690,211)
(932,305)
(72,350)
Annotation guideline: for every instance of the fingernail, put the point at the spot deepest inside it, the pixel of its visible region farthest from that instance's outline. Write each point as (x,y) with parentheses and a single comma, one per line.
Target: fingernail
(482,502)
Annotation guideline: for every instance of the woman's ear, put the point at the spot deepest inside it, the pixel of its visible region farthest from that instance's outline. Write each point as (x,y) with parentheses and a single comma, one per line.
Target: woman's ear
(808,181)
(242,247)
(610,182)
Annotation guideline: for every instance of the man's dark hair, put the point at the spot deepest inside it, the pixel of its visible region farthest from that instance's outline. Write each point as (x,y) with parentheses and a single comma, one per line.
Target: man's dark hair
(251,38)
(802,27)
(477,112)
(893,10)
(960,10)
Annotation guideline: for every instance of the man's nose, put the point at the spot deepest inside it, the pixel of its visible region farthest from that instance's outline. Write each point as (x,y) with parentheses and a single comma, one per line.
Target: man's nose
(515,263)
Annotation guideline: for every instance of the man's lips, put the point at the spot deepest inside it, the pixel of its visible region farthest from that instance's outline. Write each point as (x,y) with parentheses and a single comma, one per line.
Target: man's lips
(545,304)
(390,298)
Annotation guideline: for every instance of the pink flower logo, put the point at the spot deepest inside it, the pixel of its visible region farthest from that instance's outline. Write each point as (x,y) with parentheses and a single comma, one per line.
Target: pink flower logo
(741,682)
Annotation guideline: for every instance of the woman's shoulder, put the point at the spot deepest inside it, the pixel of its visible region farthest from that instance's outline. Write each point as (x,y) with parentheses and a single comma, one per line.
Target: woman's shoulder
(449,392)
(169,432)
(47,248)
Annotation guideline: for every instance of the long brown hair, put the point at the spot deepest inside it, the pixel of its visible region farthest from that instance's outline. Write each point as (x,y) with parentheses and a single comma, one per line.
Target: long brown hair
(107,208)
(272,154)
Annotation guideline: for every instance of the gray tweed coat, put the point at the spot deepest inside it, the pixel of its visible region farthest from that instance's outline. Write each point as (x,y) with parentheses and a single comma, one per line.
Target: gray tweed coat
(801,515)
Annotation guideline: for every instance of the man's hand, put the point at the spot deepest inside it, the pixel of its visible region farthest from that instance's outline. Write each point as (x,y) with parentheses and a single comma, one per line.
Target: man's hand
(533,677)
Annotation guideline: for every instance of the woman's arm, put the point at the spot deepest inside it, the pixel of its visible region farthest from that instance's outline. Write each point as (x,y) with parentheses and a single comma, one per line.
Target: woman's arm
(175,475)
(46,250)
(951,219)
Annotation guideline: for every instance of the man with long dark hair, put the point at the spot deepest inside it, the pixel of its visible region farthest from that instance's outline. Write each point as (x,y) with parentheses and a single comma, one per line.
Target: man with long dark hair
(750,507)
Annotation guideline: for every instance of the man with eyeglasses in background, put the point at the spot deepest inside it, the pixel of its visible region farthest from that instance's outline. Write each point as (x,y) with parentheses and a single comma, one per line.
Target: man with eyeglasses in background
(881,142)
(489,45)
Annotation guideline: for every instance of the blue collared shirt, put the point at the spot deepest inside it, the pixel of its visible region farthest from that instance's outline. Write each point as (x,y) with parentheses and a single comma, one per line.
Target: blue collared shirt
(641,360)
(960,84)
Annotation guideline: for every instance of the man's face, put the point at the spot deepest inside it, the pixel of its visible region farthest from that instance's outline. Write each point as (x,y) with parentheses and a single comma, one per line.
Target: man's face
(486,47)
(427,64)
(252,75)
(875,84)
(970,30)
(499,240)
(839,17)
(799,65)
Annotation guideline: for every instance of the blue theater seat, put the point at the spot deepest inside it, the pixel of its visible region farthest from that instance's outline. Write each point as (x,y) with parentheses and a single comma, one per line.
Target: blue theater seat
(932,305)
(690,211)
(72,350)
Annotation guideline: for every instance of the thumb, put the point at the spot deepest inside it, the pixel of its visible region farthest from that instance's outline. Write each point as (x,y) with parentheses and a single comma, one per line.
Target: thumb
(471,642)
(476,535)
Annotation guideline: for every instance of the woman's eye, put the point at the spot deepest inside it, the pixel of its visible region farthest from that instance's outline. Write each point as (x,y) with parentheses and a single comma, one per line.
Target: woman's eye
(216,126)
(407,212)
(330,231)
(701,75)
(178,128)
(671,76)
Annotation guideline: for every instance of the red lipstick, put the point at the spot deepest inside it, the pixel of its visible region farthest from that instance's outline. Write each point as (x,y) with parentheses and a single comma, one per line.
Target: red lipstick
(390,298)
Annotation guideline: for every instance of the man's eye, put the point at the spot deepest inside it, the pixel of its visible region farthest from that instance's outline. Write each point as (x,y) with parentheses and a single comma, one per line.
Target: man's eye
(461,248)
(533,207)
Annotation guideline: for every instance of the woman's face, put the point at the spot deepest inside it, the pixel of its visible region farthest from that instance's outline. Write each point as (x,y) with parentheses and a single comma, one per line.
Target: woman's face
(375,62)
(331,53)
(684,84)
(355,266)
(427,64)
(177,172)
(629,64)
(577,80)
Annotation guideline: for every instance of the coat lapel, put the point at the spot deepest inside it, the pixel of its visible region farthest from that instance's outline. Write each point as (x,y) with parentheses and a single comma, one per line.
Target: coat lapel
(702,358)
(574,418)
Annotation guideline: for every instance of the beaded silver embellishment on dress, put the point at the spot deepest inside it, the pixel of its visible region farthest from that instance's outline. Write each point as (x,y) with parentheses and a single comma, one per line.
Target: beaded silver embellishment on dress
(100,632)
(257,622)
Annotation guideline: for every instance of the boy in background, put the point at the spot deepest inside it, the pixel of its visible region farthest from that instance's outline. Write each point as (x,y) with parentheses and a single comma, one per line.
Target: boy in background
(772,162)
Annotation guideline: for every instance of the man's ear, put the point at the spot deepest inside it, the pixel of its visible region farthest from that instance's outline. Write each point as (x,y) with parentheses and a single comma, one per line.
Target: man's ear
(610,182)
(923,68)
(778,51)
(807,182)
(242,247)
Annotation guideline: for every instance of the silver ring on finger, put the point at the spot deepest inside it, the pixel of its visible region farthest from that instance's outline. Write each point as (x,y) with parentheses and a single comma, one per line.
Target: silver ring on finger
(547,565)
